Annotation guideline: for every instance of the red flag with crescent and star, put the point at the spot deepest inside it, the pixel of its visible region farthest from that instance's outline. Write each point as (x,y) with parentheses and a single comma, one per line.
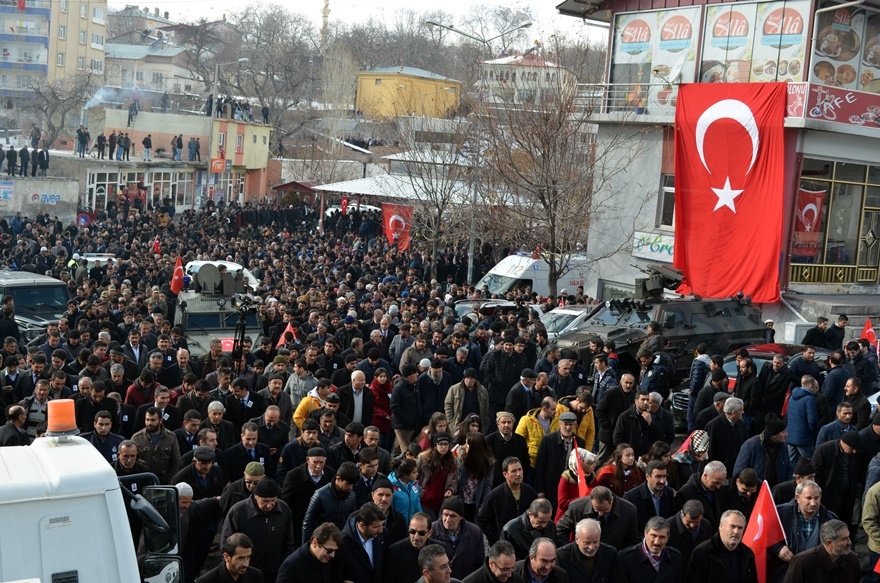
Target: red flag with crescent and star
(763,530)
(396,220)
(729,180)
(156,247)
(177,279)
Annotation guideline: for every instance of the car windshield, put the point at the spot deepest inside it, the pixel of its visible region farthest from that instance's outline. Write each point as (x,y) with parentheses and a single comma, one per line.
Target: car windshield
(497,284)
(556,322)
(614,317)
(40,299)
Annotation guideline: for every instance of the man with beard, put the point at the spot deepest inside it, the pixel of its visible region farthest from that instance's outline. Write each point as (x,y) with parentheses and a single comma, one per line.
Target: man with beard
(128,464)
(157,447)
(766,453)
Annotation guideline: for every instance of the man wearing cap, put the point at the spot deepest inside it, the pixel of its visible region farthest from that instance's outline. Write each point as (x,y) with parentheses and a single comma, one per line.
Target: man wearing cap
(394,528)
(268,522)
(553,454)
(521,398)
(834,334)
(303,481)
(766,453)
(205,478)
(716,409)
(801,519)
(837,473)
(332,503)
(406,407)
(294,453)
(466,398)
(784,492)
(462,540)
(243,487)
(347,450)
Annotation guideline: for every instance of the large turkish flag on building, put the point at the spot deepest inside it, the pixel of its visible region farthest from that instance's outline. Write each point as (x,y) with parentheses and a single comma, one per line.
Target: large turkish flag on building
(729,173)
(397,220)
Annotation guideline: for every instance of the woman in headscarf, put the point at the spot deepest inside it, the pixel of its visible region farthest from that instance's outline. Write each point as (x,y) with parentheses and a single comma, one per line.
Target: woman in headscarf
(691,457)
(569,488)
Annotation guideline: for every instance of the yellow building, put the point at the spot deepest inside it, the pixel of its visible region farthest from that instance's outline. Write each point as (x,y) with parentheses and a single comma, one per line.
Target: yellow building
(77,36)
(399,91)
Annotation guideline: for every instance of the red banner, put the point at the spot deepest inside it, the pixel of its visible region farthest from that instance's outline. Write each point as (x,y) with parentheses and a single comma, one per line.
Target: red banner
(729,172)
(343,204)
(396,220)
(808,223)
(21,5)
(845,106)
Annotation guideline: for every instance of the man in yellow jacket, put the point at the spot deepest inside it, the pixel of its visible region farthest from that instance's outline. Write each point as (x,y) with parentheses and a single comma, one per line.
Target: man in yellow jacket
(538,422)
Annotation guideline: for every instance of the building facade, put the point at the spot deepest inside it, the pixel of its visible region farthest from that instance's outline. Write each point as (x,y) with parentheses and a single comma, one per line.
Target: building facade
(401,91)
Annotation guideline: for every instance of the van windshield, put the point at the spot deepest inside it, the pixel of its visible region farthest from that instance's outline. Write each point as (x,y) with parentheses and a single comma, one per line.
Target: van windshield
(39,298)
(556,322)
(497,284)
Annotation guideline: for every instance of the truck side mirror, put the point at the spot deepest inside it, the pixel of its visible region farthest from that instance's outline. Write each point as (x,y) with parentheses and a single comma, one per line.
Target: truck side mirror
(160,540)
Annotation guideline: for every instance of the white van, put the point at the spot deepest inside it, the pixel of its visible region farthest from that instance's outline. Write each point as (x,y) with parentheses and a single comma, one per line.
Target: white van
(522,271)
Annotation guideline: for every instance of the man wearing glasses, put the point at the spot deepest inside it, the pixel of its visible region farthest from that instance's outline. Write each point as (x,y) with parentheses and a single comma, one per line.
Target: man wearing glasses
(498,567)
(406,567)
(316,561)
(435,565)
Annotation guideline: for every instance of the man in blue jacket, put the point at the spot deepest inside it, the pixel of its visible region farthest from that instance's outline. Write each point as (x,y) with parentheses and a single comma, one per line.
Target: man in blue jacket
(766,453)
(803,419)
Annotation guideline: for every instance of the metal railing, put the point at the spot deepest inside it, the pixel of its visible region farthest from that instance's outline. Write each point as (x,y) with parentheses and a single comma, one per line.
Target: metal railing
(24,60)
(626,98)
(27,3)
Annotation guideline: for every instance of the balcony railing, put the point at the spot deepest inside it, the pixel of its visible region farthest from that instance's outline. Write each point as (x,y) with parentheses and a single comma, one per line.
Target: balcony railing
(28,3)
(656,99)
(37,60)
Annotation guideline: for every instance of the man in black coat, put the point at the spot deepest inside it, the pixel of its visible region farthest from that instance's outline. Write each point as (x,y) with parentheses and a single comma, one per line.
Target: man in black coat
(587,546)
(688,528)
(202,475)
(273,432)
(724,556)
(357,389)
(237,457)
(237,553)
(833,561)
(535,522)
(506,501)
(636,426)
(774,379)
(501,370)
(365,527)
(618,518)
(661,563)
(405,566)
(837,473)
(540,564)
(727,434)
(705,488)
(553,454)
(302,482)
(521,399)
(652,497)
(506,443)
(815,336)
(611,405)
(317,561)
(498,567)
(243,405)
(13,433)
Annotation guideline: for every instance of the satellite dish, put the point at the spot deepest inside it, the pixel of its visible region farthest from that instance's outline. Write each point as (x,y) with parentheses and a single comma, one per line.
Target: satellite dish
(676,69)
(207,279)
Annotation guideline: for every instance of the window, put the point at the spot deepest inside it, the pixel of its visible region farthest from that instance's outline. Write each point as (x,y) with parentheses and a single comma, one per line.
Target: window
(182,188)
(62,31)
(96,65)
(97,41)
(378,81)
(139,75)
(264,140)
(239,144)
(255,138)
(221,140)
(98,15)
(158,79)
(22,81)
(84,10)
(60,61)
(666,202)
(82,37)
(80,63)
(62,5)
(25,26)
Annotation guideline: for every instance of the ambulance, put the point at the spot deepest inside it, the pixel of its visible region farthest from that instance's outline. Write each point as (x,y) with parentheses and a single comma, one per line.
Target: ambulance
(523,271)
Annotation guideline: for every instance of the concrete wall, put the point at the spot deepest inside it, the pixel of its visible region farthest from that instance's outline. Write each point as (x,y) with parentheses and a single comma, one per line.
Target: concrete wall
(628,175)
(58,197)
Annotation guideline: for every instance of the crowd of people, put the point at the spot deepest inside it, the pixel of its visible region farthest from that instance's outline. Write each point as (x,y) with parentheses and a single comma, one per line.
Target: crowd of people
(365,432)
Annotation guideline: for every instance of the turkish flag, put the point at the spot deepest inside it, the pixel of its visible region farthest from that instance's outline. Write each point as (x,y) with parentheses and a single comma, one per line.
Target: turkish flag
(583,488)
(729,172)
(763,530)
(343,204)
(177,279)
(396,220)
(21,5)
(808,223)
(156,247)
(869,334)
(283,340)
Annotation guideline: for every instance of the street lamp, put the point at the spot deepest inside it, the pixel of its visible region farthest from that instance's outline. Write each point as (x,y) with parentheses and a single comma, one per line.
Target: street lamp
(217,66)
(485,43)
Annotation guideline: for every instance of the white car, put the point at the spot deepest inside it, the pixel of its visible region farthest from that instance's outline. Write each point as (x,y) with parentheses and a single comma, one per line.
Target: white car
(252,282)
(564,319)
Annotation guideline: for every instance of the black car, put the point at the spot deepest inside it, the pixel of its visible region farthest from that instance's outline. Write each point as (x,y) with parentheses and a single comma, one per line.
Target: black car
(760,354)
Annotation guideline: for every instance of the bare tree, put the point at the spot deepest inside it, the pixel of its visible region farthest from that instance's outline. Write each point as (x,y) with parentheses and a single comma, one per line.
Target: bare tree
(556,172)
(56,104)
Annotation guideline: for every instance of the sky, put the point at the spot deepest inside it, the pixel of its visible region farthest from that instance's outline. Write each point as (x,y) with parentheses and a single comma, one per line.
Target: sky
(547,19)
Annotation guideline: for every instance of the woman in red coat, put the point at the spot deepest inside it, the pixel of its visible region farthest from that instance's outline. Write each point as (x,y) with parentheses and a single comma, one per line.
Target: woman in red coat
(381,389)
(569,490)
(621,474)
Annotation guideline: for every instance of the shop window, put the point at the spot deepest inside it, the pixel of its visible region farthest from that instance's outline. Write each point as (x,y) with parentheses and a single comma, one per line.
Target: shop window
(666,202)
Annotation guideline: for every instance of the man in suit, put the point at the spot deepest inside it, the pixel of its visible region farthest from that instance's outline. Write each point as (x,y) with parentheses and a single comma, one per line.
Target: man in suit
(125,415)
(652,497)
(13,432)
(134,350)
(587,548)
(357,397)
(226,437)
(237,552)
(170,415)
(618,518)
(317,560)
(688,528)
(363,549)
(243,404)
(301,482)
(27,379)
(272,431)
(247,450)
(652,560)
(187,434)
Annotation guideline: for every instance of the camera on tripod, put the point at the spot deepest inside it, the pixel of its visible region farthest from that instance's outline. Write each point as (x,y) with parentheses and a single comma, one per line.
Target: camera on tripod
(243,302)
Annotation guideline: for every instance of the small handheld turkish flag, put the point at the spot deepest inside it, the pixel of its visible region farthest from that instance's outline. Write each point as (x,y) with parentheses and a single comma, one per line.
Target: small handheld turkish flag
(868,333)
(156,247)
(583,487)
(283,340)
(764,530)
(177,279)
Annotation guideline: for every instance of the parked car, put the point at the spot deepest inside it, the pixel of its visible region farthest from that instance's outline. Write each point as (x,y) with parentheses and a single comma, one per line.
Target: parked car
(760,354)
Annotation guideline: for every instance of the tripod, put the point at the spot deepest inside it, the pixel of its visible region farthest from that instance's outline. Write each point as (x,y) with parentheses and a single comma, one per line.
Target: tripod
(238,366)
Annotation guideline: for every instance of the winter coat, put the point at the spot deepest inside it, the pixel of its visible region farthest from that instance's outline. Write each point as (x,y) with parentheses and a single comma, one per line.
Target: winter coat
(326,506)
(454,404)
(406,498)
(381,405)
(803,420)
(754,455)
(708,564)
(533,431)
